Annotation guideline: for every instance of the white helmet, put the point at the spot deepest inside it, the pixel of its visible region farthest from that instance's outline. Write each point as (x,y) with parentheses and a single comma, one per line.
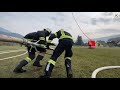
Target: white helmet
(48,30)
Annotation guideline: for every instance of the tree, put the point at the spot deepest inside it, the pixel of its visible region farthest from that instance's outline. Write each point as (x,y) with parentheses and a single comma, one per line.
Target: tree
(112,43)
(79,41)
(100,42)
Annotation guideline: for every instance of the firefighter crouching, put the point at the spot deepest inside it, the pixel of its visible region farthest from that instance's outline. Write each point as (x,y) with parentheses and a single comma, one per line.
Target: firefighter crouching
(38,37)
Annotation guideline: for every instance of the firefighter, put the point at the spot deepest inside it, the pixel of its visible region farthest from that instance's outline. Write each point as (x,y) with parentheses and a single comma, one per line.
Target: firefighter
(65,44)
(38,37)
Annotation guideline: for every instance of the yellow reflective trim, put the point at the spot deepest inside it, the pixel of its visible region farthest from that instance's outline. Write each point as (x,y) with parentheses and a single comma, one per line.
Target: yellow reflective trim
(62,32)
(64,36)
(29,39)
(42,45)
(52,61)
(42,38)
(55,34)
(28,59)
(49,41)
(68,58)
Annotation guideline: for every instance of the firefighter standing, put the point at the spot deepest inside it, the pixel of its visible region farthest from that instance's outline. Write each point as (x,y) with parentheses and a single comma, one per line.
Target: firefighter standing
(38,37)
(65,43)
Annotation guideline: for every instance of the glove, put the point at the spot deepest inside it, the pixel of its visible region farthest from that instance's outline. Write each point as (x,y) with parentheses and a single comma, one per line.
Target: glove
(48,44)
(25,41)
(52,44)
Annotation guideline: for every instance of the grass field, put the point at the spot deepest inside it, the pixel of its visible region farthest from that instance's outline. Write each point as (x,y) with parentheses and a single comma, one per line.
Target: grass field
(84,62)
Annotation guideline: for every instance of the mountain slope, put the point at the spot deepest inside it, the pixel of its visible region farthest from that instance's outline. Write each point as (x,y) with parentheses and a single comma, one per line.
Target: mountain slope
(105,38)
(7,32)
(3,30)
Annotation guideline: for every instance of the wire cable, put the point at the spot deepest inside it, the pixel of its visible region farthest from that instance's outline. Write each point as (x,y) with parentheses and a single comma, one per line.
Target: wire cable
(79,26)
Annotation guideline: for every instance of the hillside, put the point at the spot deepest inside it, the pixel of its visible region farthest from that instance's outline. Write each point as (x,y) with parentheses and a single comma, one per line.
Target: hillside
(9,33)
(3,30)
(117,39)
(105,38)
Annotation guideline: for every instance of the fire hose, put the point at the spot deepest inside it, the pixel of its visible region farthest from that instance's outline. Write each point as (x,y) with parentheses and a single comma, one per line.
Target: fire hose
(5,38)
(13,56)
(16,55)
(11,51)
(102,68)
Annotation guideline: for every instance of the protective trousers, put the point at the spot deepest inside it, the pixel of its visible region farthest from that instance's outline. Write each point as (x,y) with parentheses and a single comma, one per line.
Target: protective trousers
(31,56)
(31,52)
(64,45)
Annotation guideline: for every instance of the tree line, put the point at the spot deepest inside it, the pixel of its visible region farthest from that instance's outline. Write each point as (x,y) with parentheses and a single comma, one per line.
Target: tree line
(113,42)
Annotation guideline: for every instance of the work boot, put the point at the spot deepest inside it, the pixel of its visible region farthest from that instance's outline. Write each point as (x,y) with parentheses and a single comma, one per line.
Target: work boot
(37,64)
(37,61)
(48,70)
(46,75)
(19,69)
(69,74)
(68,68)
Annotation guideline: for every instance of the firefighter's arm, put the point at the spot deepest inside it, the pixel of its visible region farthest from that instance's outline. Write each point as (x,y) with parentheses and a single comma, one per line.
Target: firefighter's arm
(49,42)
(41,40)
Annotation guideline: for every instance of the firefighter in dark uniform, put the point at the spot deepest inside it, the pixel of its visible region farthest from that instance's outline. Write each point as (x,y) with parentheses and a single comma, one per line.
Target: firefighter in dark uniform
(38,37)
(65,44)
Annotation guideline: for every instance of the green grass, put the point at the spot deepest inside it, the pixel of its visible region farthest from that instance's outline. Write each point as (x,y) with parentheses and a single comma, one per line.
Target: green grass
(84,62)
(7,48)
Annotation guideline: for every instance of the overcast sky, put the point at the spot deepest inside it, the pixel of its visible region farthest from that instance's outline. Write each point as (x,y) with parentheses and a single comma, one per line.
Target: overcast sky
(94,24)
